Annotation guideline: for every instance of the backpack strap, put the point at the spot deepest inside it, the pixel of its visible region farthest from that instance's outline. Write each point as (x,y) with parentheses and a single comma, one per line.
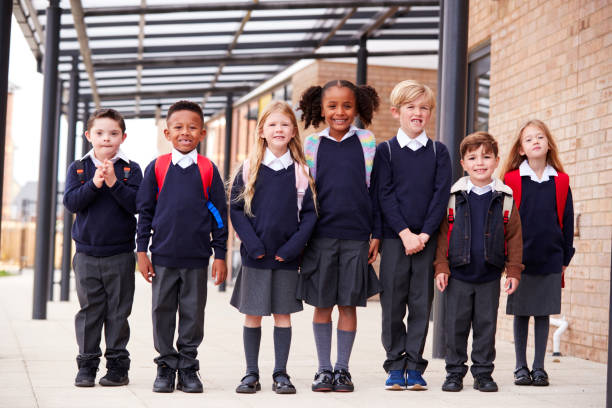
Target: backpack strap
(450,214)
(434,147)
(206,173)
(561,190)
(311,148)
(388,148)
(513,180)
(127,168)
(80,170)
(368,144)
(506,212)
(162,163)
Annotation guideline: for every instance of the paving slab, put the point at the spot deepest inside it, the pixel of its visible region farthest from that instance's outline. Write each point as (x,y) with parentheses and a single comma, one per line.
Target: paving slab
(37,364)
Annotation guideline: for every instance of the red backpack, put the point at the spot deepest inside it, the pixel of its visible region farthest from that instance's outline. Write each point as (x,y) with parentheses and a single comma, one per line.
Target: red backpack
(162,164)
(513,180)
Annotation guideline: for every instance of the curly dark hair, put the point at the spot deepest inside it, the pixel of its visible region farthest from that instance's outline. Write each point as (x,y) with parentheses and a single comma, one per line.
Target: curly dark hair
(185,105)
(310,104)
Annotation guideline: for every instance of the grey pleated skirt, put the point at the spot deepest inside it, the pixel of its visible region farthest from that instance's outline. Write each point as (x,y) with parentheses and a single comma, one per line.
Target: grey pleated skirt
(336,272)
(262,292)
(537,295)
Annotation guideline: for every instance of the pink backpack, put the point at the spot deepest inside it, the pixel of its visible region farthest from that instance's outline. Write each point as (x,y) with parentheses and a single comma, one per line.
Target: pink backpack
(301,180)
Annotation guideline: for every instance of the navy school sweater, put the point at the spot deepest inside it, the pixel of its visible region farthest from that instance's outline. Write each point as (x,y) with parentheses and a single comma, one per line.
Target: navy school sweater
(274,228)
(345,203)
(178,223)
(546,248)
(413,187)
(478,270)
(105,223)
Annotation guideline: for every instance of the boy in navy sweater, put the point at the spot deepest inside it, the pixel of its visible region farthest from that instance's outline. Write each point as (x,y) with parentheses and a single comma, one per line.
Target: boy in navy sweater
(414,178)
(101,189)
(182,199)
(485,239)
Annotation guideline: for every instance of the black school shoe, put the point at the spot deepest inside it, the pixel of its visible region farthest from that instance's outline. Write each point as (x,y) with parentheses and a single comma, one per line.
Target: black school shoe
(86,377)
(540,378)
(453,383)
(323,381)
(249,384)
(281,383)
(342,381)
(164,382)
(189,381)
(485,383)
(115,376)
(522,376)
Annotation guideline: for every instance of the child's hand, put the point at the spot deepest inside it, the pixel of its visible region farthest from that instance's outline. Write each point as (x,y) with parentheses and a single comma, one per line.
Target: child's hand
(219,271)
(98,178)
(511,285)
(441,281)
(424,238)
(412,243)
(145,266)
(279,259)
(109,173)
(373,251)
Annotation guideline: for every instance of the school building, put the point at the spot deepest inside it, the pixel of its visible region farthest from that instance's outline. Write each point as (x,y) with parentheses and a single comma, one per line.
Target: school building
(548,60)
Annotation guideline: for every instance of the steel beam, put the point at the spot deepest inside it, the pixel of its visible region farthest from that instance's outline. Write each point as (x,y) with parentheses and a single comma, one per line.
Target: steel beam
(6,8)
(173,93)
(453,92)
(85,146)
(246,5)
(45,179)
(248,59)
(54,189)
(227,160)
(76,9)
(73,116)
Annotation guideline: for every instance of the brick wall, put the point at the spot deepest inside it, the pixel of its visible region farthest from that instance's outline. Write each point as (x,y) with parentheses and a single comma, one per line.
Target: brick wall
(382,78)
(551,60)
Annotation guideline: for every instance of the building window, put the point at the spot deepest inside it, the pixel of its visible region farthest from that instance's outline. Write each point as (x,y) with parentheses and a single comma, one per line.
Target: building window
(479,80)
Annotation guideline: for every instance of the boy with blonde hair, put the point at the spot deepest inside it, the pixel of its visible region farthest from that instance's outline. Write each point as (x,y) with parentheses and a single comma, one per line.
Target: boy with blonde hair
(413,177)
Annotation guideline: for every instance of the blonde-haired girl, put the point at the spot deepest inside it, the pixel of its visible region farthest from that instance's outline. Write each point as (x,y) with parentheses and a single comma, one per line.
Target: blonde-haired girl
(542,195)
(273,212)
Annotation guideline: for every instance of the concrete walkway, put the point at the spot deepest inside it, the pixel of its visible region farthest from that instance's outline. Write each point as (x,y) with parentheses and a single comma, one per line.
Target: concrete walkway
(37,364)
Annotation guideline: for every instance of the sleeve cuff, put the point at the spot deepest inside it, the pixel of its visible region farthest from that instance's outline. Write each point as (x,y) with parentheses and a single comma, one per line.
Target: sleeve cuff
(220,254)
(514,270)
(441,267)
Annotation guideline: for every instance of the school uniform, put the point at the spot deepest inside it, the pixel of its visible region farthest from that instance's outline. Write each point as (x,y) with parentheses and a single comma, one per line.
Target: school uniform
(475,258)
(104,263)
(265,286)
(539,293)
(181,246)
(413,182)
(335,268)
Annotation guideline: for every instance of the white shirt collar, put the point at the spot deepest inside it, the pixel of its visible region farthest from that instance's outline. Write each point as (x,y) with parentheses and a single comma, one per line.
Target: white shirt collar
(414,144)
(277,163)
(96,162)
(352,130)
(526,170)
(184,158)
(471,188)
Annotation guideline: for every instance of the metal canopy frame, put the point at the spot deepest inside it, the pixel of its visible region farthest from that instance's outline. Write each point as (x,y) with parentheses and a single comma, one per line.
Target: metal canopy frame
(132,54)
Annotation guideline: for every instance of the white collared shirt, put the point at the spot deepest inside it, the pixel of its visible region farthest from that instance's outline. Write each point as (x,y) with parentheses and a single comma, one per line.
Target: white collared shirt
(96,162)
(277,163)
(184,160)
(352,130)
(471,188)
(413,144)
(526,170)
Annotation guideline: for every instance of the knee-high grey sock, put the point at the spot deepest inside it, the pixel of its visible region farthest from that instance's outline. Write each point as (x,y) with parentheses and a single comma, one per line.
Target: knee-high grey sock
(521,328)
(541,326)
(282,344)
(251,337)
(345,346)
(323,337)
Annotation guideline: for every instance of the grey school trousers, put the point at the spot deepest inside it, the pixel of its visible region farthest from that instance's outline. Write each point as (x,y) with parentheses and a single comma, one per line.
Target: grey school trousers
(471,304)
(407,282)
(105,288)
(182,290)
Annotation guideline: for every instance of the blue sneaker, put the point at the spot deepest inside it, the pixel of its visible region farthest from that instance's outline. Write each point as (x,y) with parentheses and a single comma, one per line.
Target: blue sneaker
(415,381)
(396,381)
